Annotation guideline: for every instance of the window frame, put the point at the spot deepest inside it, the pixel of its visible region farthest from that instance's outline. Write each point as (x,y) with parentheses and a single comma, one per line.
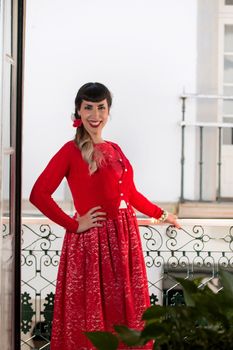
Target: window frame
(223,8)
(12,14)
(221,54)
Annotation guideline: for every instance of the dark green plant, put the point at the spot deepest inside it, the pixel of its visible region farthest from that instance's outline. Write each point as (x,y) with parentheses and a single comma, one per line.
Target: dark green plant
(205,322)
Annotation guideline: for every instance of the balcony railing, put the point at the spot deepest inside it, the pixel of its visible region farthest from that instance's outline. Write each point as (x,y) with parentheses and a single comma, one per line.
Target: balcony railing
(198,249)
(202,127)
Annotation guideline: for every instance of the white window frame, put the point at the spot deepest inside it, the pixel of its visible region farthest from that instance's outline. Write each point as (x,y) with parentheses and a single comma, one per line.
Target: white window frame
(227,9)
(222,22)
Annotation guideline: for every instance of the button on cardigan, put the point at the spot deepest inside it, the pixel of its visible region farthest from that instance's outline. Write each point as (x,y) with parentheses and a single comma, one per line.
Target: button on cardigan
(102,188)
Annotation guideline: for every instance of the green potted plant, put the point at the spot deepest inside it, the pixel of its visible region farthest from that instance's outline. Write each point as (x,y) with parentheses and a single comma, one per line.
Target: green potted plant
(205,322)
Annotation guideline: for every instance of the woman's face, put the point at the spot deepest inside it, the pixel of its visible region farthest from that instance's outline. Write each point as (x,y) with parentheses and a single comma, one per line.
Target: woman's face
(94,116)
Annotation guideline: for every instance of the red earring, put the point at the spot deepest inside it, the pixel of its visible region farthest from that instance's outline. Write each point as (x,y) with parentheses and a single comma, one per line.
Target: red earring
(76,122)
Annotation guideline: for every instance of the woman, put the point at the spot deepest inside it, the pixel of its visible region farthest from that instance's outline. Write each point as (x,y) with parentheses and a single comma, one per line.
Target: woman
(102,278)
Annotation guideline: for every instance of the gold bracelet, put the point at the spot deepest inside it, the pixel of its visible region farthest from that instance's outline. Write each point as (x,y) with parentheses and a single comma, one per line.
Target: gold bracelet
(163,217)
(154,221)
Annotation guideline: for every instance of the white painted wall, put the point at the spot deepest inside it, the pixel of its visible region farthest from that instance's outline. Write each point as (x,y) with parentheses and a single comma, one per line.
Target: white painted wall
(144,51)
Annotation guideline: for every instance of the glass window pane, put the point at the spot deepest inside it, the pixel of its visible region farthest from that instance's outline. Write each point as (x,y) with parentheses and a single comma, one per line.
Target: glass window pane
(228,132)
(228,69)
(228,104)
(228,2)
(228,38)
(6,186)
(6,106)
(7,32)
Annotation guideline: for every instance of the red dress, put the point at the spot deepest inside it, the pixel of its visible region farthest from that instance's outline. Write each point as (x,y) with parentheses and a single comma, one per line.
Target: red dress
(102,277)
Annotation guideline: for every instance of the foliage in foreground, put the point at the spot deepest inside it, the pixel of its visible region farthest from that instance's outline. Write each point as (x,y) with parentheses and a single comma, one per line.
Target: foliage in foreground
(205,322)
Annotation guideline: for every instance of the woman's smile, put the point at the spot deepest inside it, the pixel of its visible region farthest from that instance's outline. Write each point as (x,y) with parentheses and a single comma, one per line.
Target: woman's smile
(94,123)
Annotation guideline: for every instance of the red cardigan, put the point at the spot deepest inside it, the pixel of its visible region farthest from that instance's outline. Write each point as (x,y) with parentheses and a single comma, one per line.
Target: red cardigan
(102,188)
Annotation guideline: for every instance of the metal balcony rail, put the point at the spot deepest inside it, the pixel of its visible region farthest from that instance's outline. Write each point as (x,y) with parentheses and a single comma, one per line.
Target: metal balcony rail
(201,125)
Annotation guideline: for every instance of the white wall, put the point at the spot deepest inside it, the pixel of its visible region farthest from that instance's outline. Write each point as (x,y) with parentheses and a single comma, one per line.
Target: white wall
(144,51)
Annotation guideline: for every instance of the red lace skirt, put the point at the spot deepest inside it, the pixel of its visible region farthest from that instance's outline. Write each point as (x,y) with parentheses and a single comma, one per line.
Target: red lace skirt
(101,282)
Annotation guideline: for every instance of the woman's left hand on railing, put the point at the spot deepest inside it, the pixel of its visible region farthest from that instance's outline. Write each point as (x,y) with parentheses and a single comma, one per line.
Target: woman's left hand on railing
(172,219)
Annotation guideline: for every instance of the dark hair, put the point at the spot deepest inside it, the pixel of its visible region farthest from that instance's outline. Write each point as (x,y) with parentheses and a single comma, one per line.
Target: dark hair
(93,92)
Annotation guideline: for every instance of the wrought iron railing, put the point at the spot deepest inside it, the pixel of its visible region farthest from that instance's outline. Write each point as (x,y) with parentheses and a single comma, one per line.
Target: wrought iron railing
(195,250)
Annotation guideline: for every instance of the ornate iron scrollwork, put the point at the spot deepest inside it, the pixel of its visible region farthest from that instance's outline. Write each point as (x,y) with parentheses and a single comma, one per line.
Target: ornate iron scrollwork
(168,252)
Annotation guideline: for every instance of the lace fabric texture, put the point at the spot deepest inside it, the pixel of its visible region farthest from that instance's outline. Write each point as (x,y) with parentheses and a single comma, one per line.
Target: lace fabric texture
(101,282)
(105,154)
(102,278)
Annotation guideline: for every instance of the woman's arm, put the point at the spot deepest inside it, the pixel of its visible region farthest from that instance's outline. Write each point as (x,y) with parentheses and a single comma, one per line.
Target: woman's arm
(141,203)
(47,183)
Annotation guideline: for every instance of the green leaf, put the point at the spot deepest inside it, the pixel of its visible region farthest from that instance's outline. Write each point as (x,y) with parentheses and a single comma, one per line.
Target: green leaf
(226,279)
(103,340)
(153,330)
(129,336)
(154,312)
(189,288)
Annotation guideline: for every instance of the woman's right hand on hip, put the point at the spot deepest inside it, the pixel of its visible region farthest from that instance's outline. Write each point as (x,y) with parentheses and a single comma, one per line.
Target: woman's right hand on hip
(91,219)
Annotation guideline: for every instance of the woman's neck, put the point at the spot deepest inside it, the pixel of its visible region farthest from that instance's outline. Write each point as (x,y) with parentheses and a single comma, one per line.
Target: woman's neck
(97,140)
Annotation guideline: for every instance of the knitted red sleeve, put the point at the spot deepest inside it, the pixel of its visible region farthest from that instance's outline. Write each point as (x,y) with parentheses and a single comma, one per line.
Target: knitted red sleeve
(137,200)
(47,183)
(141,203)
